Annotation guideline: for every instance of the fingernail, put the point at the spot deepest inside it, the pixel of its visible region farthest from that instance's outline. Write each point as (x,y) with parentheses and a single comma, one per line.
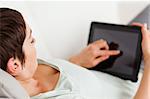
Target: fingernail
(145,25)
(118,51)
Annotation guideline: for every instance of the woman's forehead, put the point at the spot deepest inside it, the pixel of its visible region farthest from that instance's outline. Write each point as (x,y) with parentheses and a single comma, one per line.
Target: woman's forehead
(28,29)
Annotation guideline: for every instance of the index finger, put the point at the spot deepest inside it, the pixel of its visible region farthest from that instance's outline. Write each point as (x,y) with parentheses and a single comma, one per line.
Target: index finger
(109,52)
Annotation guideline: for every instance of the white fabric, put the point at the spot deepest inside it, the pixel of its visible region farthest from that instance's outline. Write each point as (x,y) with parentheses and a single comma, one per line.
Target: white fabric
(10,88)
(65,88)
(88,84)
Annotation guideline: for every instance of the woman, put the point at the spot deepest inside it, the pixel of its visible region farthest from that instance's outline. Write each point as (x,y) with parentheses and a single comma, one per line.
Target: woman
(18,58)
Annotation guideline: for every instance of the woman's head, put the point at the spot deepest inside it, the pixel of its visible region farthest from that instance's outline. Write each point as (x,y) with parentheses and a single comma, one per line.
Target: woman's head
(17,51)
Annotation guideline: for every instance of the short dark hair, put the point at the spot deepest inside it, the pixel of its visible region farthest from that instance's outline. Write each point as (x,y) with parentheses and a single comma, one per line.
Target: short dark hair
(12,36)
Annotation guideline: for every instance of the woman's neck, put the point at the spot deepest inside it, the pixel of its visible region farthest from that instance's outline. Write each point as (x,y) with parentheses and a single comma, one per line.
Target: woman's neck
(41,81)
(31,86)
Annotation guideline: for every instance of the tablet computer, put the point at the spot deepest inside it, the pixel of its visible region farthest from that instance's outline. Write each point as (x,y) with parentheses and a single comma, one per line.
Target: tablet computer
(127,39)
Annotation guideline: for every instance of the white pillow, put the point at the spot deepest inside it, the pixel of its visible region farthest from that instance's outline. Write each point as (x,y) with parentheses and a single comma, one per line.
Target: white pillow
(10,88)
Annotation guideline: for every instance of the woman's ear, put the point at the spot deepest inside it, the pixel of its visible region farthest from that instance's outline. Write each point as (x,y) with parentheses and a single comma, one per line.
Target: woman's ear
(14,66)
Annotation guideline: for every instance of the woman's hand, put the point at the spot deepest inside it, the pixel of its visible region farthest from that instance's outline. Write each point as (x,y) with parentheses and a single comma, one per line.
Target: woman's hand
(93,54)
(145,41)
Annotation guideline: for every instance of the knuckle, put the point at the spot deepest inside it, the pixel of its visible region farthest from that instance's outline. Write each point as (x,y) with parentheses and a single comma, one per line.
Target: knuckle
(91,47)
(101,40)
(104,42)
(94,53)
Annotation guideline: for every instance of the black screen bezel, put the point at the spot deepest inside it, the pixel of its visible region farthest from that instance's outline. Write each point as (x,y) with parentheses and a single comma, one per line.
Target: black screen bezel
(133,29)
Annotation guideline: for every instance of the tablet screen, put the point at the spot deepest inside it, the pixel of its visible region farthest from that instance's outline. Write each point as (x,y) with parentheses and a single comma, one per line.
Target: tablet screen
(125,39)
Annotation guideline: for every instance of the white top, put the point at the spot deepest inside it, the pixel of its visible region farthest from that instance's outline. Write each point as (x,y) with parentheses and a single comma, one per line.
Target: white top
(76,82)
(65,87)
